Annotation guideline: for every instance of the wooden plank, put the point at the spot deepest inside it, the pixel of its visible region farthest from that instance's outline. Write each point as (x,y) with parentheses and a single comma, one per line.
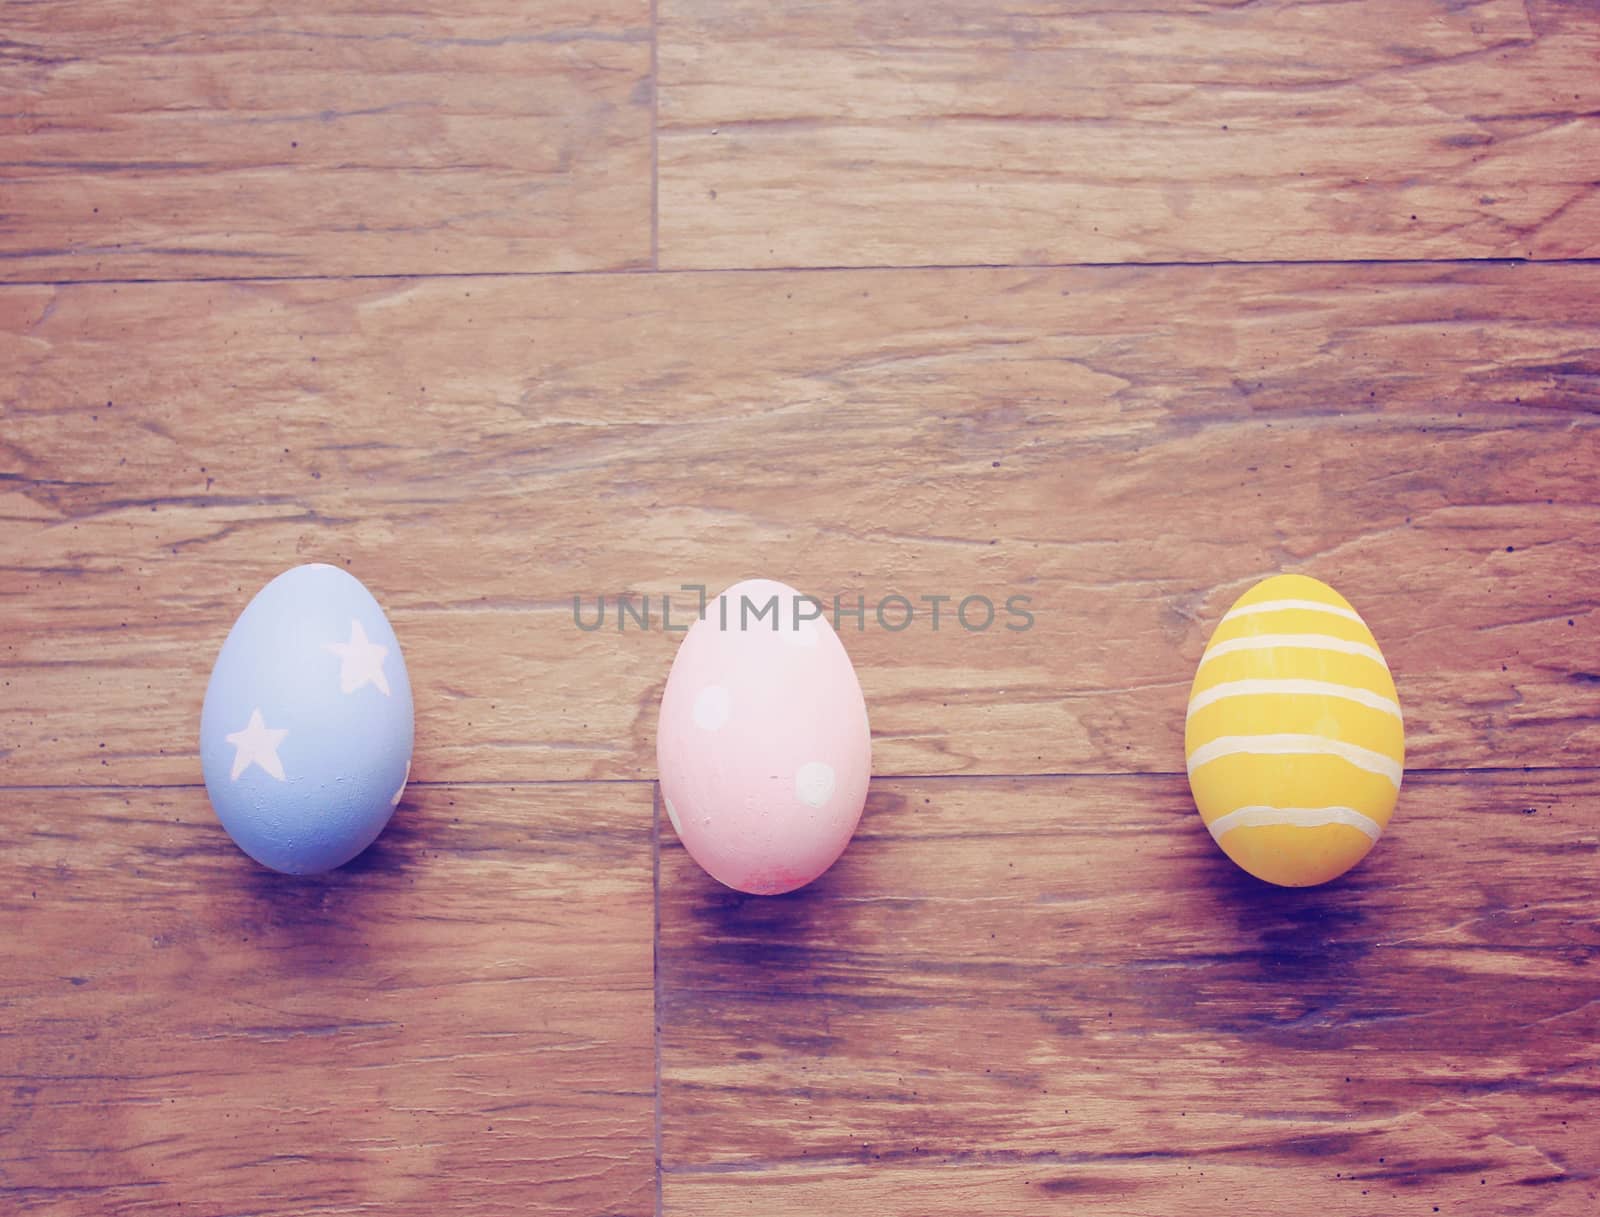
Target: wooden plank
(1130,448)
(842,133)
(229,138)
(1014,995)
(461,1016)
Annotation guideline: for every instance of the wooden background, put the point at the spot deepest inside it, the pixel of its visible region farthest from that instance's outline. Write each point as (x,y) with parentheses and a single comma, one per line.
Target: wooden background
(500,304)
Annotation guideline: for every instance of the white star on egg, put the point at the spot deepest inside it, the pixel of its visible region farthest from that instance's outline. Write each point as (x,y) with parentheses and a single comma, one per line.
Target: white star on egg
(257,744)
(360,661)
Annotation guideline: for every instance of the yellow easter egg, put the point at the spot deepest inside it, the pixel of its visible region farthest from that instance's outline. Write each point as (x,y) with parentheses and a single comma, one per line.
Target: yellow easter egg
(1294,739)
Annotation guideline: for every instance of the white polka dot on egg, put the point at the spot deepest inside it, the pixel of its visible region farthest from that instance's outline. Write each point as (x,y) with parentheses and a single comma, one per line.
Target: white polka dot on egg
(672,814)
(712,707)
(813,783)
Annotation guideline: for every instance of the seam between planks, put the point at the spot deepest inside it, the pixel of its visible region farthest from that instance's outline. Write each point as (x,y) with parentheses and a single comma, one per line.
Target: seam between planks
(655,977)
(865,268)
(655,150)
(1075,775)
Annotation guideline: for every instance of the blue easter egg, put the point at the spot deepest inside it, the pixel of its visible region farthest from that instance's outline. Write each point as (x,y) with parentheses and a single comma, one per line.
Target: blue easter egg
(306,732)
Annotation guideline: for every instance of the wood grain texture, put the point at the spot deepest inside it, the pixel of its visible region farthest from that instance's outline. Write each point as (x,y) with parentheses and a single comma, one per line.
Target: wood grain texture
(1130,448)
(460,1020)
(843,133)
(234,137)
(1014,996)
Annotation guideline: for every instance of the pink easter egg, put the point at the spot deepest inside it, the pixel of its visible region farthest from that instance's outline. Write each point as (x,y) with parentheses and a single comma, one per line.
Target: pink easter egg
(763,745)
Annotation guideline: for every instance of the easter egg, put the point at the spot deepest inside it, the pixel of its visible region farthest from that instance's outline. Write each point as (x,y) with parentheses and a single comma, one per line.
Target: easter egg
(306,730)
(762,745)
(1294,740)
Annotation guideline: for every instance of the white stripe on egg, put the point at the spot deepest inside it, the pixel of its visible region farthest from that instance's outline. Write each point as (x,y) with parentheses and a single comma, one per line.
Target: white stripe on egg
(1298,817)
(1301,642)
(1279,606)
(1326,688)
(1295,745)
